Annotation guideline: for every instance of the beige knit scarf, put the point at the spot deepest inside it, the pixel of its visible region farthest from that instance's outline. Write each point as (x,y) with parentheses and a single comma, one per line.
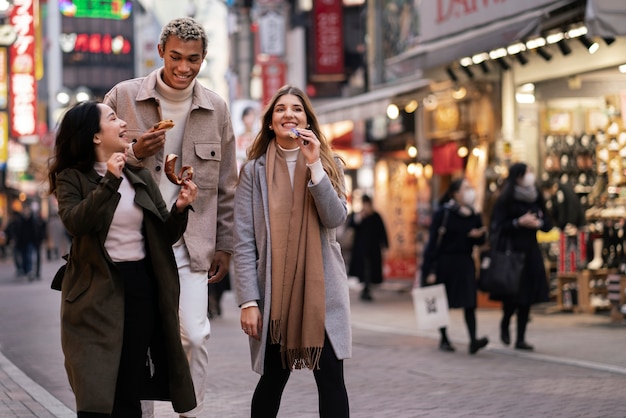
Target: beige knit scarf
(297,310)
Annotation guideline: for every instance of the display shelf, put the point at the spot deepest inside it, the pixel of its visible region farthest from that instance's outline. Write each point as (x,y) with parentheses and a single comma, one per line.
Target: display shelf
(590,284)
(563,280)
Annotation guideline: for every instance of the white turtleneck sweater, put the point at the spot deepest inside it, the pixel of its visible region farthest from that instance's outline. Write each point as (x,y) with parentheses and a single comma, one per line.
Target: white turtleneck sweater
(175,105)
(291,157)
(124,241)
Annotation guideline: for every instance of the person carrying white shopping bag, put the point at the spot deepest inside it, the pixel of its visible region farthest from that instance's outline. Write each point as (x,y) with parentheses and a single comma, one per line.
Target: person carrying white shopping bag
(455,229)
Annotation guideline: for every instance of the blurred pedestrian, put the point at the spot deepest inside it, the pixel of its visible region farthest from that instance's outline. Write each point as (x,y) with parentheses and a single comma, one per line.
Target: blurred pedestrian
(119,313)
(370,240)
(203,138)
(11,234)
(26,234)
(455,230)
(41,235)
(290,277)
(518,214)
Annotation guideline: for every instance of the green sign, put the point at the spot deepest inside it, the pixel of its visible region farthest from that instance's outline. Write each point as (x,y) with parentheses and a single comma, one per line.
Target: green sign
(96,9)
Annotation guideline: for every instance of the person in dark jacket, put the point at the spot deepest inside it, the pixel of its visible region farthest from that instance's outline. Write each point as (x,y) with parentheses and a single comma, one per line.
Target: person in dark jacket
(370,238)
(119,312)
(448,256)
(518,214)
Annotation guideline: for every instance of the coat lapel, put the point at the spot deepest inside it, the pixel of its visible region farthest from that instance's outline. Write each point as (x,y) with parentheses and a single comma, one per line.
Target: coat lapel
(142,198)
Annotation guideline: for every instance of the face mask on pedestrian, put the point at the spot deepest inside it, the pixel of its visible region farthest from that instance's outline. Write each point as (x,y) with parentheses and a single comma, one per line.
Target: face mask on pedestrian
(528,180)
(469,197)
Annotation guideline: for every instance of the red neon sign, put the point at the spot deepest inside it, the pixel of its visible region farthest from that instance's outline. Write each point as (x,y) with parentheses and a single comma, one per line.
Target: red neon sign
(23,83)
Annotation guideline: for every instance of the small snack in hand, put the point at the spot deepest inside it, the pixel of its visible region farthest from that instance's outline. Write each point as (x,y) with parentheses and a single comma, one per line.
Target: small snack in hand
(185,173)
(293,134)
(162,124)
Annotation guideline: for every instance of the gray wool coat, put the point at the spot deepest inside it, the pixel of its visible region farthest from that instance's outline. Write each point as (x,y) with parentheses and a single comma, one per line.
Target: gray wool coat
(92,305)
(252,257)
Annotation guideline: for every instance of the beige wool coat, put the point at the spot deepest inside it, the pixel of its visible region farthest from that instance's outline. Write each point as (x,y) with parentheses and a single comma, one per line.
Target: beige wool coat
(92,306)
(208,146)
(253,265)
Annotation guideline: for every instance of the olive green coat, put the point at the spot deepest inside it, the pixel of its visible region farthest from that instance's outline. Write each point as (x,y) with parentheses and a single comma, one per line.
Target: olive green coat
(92,309)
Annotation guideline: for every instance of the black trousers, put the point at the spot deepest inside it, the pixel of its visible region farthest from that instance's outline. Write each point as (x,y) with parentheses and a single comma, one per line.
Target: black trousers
(331,388)
(140,312)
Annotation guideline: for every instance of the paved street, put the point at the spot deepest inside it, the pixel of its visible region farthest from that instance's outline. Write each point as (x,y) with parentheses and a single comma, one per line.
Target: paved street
(577,370)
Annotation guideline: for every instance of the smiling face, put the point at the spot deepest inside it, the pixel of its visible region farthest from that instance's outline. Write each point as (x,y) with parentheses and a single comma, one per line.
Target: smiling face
(112,134)
(288,113)
(181,61)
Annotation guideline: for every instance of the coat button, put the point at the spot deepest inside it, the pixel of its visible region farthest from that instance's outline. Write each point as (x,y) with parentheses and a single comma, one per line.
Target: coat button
(157,168)
(212,153)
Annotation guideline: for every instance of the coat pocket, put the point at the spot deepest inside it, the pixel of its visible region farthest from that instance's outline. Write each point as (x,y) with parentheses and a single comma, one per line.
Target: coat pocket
(79,285)
(207,170)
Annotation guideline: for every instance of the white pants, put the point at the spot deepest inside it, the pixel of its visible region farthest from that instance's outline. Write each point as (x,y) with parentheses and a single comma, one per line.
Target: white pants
(195,328)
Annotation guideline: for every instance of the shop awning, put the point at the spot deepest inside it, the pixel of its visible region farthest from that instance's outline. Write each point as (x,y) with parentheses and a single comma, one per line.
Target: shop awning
(365,106)
(606,18)
(486,37)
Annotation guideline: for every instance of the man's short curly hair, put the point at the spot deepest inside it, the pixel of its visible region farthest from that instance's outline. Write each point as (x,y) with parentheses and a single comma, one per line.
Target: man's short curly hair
(184,28)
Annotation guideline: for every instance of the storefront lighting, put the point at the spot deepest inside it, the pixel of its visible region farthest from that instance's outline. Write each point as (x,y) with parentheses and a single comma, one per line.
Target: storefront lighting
(411,106)
(430,102)
(576,32)
(393,112)
(419,170)
(411,168)
(536,43)
(466,62)
(476,152)
(498,53)
(555,37)
(483,66)
(544,54)
(527,88)
(525,98)
(516,48)
(428,171)
(83,94)
(459,93)
(412,151)
(622,68)
(592,47)
(478,58)
(462,152)
(63,97)
(5,5)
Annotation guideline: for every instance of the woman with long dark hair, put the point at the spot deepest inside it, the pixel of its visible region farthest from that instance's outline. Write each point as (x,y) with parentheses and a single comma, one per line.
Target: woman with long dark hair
(518,214)
(448,256)
(119,307)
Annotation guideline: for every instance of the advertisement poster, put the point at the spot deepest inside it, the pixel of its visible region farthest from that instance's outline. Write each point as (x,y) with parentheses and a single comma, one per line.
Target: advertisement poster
(246,117)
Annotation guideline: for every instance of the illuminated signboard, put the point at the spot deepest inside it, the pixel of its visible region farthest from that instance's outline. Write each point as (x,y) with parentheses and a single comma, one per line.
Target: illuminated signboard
(96,9)
(23,84)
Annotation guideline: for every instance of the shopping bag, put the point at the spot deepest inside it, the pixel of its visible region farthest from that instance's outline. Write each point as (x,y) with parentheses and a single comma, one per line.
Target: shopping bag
(502,273)
(431,307)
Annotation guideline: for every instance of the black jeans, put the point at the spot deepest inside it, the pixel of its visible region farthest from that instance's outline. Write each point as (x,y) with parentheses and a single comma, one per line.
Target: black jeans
(140,312)
(331,388)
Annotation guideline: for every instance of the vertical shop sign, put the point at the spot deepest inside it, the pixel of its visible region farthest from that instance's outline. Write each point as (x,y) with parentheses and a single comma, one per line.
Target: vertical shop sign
(23,84)
(4,137)
(328,30)
(4,79)
(273,74)
(272,33)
